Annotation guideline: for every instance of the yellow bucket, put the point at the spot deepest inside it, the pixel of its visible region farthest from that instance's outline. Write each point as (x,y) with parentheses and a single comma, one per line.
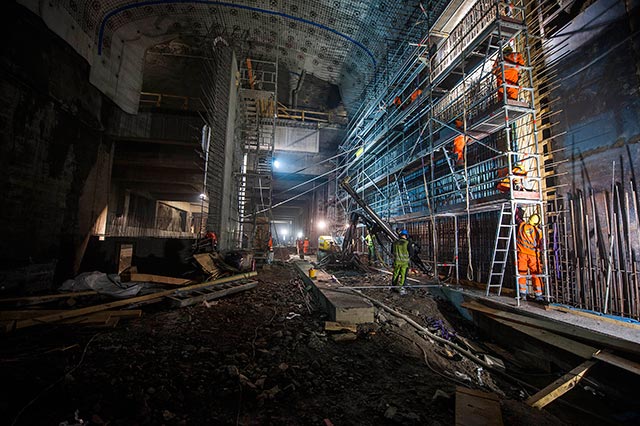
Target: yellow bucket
(312,273)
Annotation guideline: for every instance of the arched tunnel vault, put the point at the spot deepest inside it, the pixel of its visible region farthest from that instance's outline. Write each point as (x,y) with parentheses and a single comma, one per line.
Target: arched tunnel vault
(342,42)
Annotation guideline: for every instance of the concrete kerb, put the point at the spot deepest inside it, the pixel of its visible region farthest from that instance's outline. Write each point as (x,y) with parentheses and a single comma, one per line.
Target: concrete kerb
(341,306)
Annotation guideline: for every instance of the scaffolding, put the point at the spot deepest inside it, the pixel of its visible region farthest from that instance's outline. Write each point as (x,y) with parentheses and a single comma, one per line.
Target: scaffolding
(257,100)
(403,165)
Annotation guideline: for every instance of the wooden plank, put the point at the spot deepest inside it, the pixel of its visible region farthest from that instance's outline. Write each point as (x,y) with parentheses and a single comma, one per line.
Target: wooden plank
(561,386)
(103,307)
(34,313)
(180,303)
(574,347)
(561,342)
(32,300)
(159,279)
(618,361)
(338,326)
(476,408)
(593,316)
(558,327)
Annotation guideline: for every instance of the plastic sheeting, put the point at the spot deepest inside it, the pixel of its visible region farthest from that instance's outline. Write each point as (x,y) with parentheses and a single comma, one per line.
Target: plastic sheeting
(107,284)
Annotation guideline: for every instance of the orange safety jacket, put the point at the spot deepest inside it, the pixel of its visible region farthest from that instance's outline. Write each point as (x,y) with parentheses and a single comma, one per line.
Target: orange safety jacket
(528,239)
(270,244)
(305,246)
(511,73)
(458,147)
(505,184)
(415,94)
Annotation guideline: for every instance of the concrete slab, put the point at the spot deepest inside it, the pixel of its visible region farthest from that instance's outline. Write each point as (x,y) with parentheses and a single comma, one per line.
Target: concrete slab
(341,305)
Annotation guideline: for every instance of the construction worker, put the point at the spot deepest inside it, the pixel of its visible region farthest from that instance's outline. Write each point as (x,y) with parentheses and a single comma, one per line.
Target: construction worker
(414,95)
(212,239)
(299,246)
(459,144)
(270,247)
(305,245)
(512,62)
(401,260)
(370,247)
(397,101)
(504,184)
(529,242)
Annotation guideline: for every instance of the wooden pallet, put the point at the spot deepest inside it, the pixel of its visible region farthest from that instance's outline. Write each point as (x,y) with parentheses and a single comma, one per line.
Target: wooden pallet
(192,297)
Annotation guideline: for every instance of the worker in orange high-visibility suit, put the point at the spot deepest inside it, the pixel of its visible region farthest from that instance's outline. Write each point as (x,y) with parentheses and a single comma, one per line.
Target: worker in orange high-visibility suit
(305,246)
(415,95)
(270,247)
(512,62)
(458,145)
(529,242)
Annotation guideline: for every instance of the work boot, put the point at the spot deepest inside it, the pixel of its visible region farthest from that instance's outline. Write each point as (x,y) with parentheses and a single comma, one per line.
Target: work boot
(402,291)
(523,296)
(539,298)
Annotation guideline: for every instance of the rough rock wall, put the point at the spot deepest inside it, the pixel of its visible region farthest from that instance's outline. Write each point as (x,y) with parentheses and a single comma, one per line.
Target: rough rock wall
(54,163)
(599,91)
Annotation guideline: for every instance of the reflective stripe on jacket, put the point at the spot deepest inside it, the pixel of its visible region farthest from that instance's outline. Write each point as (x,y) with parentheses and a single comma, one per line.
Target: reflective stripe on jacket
(401,251)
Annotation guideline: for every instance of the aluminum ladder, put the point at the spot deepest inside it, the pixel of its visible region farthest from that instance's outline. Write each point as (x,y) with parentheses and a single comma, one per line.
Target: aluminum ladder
(504,234)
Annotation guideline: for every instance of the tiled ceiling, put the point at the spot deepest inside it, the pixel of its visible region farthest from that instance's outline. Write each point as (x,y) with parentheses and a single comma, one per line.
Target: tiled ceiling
(339,41)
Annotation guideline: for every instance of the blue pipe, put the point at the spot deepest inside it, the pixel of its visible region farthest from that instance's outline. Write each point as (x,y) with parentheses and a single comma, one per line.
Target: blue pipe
(226,4)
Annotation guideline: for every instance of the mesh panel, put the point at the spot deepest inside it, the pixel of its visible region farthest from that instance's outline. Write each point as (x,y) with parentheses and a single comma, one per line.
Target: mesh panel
(336,40)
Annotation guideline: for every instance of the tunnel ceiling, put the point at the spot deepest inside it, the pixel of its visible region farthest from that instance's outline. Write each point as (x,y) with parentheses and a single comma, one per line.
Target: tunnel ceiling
(339,41)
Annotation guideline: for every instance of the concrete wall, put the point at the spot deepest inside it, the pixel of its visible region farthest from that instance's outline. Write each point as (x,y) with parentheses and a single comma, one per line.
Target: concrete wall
(161,256)
(54,162)
(229,207)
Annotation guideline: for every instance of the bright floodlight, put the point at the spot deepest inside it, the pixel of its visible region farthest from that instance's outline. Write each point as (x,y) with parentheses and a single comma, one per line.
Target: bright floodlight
(276,164)
(203,196)
(299,234)
(322,224)
(285,232)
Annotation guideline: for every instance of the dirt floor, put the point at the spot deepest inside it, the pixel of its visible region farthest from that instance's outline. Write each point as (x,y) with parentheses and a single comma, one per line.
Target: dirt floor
(258,357)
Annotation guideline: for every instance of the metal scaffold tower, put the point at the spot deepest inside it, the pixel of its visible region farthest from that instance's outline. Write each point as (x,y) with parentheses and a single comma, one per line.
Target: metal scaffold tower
(454,140)
(257,96)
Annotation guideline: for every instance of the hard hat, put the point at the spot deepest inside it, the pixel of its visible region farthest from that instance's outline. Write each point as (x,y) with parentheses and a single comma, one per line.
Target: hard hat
(404,232)
(534,219)
(518,170)
(458,122)
(508,49)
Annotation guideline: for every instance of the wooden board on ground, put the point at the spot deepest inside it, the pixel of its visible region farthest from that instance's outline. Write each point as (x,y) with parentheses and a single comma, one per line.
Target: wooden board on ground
(206,263)
(211,293)
(561,386)
(602,340)
(338,326)
(10,318)
(103,307)
(159,279)
(618,361)
(561,342)
(34,313)
(576,348)
(213,264)
(593,316)
(34,300)
(476,408)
